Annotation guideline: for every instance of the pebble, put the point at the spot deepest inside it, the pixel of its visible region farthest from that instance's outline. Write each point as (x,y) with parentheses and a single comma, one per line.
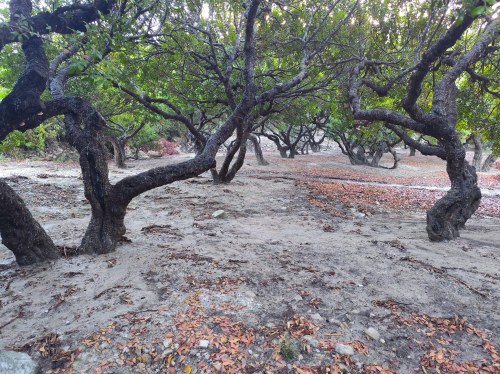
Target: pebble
(311,341)
(316,317)
(217,366)
(218,214)
(344,349)
(167,343)
(298,298)
(17,362)
(372,333)
(204,343)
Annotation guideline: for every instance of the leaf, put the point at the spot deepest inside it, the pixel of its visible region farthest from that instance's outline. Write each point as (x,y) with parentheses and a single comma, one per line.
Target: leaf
(187,369)
(477,11)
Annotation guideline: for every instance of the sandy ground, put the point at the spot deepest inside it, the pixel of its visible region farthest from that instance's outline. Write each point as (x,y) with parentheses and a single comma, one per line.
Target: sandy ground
(271,286)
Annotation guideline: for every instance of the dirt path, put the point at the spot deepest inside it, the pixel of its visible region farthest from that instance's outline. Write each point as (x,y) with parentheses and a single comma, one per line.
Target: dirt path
(274,284)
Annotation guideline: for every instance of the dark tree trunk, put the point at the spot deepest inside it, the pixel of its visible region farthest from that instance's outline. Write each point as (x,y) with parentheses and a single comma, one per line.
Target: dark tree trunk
(106,226)
(488,163)
(412,151)
(449,214)
(118,151)
(282,151)
(478,152)
(377,155)
(258,150)
(20,232)
(357,155)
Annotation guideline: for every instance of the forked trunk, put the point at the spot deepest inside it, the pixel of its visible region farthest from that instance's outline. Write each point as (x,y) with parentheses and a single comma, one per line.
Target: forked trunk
(478,152)
(20,232)
(488,163)
(119,152)
(449,214)
(258,150)
(106,226)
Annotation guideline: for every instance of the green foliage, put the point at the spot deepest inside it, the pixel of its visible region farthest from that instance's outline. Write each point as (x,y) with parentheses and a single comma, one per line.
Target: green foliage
(29,140)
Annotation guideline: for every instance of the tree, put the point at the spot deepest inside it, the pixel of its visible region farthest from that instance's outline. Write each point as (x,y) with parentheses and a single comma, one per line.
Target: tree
(428,75)
(22,109)
(83,125)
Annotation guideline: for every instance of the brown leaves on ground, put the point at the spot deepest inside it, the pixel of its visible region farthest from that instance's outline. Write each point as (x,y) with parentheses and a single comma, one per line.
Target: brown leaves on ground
(301,326)
(366,198)
(441,357)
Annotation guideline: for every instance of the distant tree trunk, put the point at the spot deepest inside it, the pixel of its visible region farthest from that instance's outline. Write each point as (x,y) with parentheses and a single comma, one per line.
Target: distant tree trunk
(20,232)
(395,156)
(282,151)
(258,150)
(450,213)
(357,155)
(489,162)
(377,154)
(478,152)
(118,151)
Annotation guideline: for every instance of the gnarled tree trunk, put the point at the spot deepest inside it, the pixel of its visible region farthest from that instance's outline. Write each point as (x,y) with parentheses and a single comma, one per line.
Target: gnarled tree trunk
(488,163)
(478,152)
(450,213)
(118,151)
(20,232)
(106,226)
(258,150)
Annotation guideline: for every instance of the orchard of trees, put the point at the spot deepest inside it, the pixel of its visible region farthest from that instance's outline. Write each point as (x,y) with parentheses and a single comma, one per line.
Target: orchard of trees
(367,74)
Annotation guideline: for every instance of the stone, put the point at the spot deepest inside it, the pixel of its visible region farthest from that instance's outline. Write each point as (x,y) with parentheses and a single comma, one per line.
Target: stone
(17,363)
(142,155)
(218,214)
(298,298)
(372,333)
(167,343)
(344,349)
(316,317)
(217,366)
(310,340)
(204,343)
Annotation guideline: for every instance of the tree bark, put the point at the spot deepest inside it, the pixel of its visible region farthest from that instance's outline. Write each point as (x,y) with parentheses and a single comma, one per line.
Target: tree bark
(258,150)
(412,151)
(478,152)
(118,151)
(449,214)
(489,162)
(106,226)
(20,232)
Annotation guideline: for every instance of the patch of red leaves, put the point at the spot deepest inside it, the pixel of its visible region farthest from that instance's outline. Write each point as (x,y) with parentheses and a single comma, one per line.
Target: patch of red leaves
(440,331)
(366,198)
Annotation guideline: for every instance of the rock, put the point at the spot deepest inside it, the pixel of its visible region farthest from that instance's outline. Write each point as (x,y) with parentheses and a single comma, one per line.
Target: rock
(142,155)
(316,317)
(372,333)
(217,366)
(204,344)
(17,363)
(298,298)
(311,341)
(154,154)
(218,214)
(359,214)
(167,343)
(344,349)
